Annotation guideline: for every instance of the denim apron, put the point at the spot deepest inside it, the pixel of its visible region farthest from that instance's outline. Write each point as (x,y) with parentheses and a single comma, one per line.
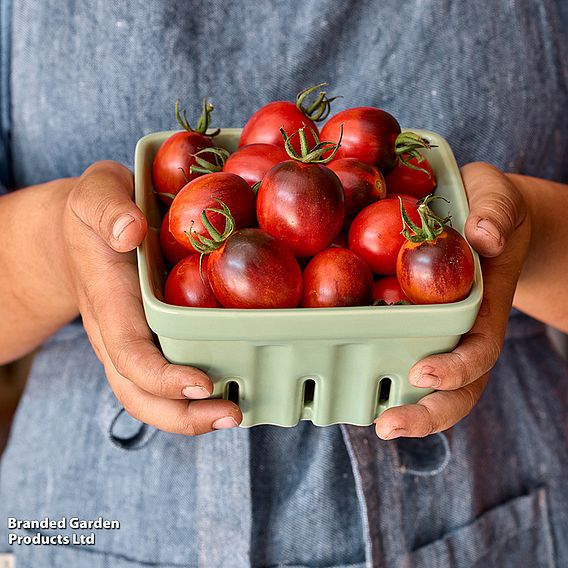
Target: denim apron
(82,81)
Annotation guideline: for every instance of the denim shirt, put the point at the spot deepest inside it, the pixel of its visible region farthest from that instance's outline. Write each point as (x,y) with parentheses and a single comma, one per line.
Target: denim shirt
(82,81)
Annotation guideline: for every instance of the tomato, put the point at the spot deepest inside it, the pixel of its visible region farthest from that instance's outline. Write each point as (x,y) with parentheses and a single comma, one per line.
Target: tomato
(336,277)
(264,125)
(435,264)
(369,134)
(301,204)
(375,233)
(252,269)
(188,286)
(174,158)
(205,192)
(362,183)
(173,251)
(387,290)
(253,161)
(417,179)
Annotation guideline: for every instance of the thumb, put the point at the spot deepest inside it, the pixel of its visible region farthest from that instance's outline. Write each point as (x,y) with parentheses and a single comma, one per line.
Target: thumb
(497,208)
(102,200)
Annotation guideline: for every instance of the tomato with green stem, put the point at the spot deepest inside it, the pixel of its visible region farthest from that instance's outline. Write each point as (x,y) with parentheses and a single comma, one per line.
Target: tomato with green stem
(248,268)
(301,202)
(172,165)
(435,264)
(264,125)
(205,192)
(372,135)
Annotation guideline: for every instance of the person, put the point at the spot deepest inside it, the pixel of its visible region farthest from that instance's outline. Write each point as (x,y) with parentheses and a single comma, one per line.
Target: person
(80,83)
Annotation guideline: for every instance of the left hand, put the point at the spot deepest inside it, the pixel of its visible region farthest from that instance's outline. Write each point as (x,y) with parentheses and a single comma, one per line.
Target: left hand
(498,228)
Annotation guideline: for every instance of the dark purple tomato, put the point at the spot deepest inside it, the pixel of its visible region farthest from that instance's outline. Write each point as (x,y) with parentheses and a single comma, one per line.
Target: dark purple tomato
(336,277)
(369,134)
(252,269)
(303,205)
(362,183)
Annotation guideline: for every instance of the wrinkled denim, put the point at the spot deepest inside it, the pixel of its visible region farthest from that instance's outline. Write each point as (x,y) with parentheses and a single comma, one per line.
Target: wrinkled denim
(82,81)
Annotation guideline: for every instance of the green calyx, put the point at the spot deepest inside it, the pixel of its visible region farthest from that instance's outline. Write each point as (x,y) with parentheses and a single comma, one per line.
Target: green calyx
(320,107)
(202,123)
(203,166)
(432,225)
(206,245)
(407,145)
(309,155)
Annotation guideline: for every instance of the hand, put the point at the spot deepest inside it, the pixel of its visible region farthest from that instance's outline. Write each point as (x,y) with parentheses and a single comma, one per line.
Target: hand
(102,226)
(498,228)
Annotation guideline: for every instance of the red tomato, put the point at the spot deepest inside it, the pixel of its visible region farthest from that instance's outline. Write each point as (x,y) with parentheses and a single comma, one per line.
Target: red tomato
(362,183)
(369,134)
(375,234)
(172,250)
(253,161)
(205,192)
(252,269)
(303,205)
(387,289)
(187,286)
(416,182)
(174,158)
(438,271)
(336,277)
(263,127)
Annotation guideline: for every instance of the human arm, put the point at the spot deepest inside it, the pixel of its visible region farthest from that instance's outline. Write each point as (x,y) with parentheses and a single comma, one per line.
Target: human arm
(60,259)
(521,245)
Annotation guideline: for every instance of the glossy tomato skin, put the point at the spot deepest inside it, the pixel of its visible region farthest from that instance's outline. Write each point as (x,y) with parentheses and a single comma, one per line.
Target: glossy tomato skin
(186,287)
(263,127)
(203,192)
(175,153)
(436,272)
(388,290)
(369,134)
(362,183)
(252,269)
(403,179)
(375,233)
(173,251)
(253,161)
(303,205)
(336,277)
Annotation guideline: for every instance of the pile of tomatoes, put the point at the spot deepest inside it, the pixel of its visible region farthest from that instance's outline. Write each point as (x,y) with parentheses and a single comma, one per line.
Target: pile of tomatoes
(303,216)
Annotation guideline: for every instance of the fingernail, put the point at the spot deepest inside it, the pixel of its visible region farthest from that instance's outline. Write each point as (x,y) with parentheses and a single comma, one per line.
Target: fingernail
(488,227)
(395,433)
(120,224)
(195,392)
(428,381)
(425,378)
(225,422)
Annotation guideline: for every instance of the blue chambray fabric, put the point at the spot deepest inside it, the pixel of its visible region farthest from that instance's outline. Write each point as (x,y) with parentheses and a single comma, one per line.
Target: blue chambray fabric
(87,79)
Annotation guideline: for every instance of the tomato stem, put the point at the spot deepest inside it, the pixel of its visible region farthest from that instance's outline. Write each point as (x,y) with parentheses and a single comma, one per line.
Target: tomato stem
(311,155)
(205,166)
(321,107)
(407,146)
(202,123)
(431,224)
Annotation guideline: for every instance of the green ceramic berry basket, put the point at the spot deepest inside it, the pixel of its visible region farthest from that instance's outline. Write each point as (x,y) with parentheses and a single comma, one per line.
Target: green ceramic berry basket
(327,365)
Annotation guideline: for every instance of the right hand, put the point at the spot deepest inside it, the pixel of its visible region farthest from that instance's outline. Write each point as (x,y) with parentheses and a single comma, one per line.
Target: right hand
(102,226)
